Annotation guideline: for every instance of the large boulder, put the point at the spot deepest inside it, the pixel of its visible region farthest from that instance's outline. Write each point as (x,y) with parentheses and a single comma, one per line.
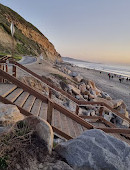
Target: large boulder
(9,115)
(105,96)
(75,90)
(112,103)
(93,87)
(82,88)
(96,150)
(78,78)
(43,129)
(117,103)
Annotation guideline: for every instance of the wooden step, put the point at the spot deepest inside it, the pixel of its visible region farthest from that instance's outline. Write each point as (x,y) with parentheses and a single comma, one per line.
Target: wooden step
(64,124)
(78,128)
(98,124)
(36,107)
(21,99)
(71,128)
(43,111)
(6,89)
(29,103)
(14,95)
(56,119)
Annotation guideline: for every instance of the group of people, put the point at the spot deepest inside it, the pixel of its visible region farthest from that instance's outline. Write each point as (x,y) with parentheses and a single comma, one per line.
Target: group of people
(121,79)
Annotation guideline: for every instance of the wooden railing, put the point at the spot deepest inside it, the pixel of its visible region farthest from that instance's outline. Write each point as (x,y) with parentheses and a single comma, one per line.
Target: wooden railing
(52,105)
(51,87)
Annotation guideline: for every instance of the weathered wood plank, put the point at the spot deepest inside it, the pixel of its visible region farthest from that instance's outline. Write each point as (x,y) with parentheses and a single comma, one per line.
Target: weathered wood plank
(29,103)
(43,111)
(14,95)
(22,99)
(36,107)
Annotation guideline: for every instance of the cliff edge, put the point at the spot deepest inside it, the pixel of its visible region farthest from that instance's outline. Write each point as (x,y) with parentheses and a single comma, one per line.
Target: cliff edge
(28,39)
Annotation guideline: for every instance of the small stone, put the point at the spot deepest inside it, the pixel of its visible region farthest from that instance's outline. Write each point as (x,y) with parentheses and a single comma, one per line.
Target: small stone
(92,113)
(73,74)
(88,87)
(77,97)
(18,166)
(82,88)
(85,96)
(40,166)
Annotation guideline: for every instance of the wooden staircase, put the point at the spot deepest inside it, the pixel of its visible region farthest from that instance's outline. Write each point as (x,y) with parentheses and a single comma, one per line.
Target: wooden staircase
(65,123)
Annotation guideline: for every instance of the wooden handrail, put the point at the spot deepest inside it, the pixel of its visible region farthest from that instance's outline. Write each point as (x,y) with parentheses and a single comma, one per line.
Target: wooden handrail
(44,98)
(79,102)
(56,106)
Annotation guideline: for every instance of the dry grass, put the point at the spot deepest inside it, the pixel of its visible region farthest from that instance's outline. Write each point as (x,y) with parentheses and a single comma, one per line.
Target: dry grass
(12,142)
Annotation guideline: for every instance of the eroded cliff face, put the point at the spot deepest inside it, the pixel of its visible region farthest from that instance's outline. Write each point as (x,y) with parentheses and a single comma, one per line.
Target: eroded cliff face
(27,37)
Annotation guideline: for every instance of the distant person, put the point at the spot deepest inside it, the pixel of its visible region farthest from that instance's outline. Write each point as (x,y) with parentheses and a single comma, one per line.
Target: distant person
(100,72)
(109,75)
(112,77)
(127,79)
(120,80)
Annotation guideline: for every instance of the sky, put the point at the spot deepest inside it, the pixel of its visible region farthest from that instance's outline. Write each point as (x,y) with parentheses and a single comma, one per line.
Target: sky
(91,30)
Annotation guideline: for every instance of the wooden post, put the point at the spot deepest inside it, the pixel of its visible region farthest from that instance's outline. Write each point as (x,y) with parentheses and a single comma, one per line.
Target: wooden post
(77,109)
(6,68)
(49,112)
(14,71)
(3,68)
(0,76)
(101,110)
(50,93)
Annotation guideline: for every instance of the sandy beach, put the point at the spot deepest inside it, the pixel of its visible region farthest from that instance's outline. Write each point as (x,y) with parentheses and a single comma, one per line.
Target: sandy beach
(113,87)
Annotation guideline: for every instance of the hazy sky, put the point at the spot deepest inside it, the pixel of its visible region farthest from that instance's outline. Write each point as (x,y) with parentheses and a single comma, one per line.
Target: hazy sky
(93,30)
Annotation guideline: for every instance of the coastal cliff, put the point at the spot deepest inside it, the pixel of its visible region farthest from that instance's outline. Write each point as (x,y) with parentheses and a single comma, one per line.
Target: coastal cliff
(28,39)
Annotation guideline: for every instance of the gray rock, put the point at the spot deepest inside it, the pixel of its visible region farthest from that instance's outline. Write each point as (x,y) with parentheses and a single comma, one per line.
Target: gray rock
(73,74)
(96,150)
(78,78)
(43,129)
(105,96)
(9,115)
(78,97)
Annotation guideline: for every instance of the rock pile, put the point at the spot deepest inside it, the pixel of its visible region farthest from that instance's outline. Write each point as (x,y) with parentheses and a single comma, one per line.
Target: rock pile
(86,90)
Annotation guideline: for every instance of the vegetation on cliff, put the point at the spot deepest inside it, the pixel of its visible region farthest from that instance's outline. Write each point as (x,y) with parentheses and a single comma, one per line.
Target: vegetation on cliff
(28,39)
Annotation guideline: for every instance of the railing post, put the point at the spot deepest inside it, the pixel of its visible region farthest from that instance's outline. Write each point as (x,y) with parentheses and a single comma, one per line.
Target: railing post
(50,93)
(49,112)
(101,110)
(77,109)
(0,76)
(7,68)
(14,71)
(3,68)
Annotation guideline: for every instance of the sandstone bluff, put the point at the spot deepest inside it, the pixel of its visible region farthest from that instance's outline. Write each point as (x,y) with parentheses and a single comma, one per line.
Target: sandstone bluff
(28,39)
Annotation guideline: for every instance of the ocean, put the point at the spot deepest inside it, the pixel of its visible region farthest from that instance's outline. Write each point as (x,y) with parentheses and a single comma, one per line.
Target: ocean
(123,70)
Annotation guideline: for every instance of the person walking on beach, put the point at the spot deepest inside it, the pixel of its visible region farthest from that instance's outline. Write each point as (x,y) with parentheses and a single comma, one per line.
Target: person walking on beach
(120,80)
(109,76)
